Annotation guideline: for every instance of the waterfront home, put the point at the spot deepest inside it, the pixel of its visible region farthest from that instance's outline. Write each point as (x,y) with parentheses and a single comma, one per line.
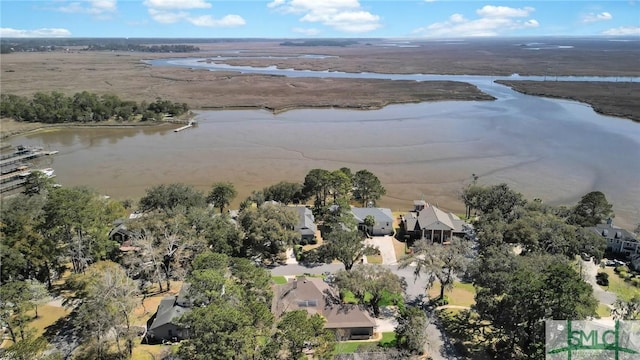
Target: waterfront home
(163,326)
(619,240)
(348,321)
(306,225)
(383,220)
(428,222)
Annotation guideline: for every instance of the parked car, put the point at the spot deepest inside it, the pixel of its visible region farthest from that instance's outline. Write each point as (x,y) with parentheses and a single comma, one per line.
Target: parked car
(610,263)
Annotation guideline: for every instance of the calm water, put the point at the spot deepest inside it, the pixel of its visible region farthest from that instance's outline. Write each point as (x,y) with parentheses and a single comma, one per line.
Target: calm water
(553,149)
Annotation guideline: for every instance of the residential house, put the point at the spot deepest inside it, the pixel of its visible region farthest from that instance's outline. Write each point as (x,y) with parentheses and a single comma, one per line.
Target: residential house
(635,262)
(306,225)
(349,322)
(427,222)
(163,326)
(619,240)
(383,220)
(123,236)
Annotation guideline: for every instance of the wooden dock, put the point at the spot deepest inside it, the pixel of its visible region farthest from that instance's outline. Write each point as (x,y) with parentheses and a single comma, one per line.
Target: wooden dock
(12,159)
(190,124)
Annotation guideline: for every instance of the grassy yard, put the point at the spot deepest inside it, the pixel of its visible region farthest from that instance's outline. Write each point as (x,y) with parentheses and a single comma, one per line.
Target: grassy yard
(279,280)
(462,294)
(349,347)
(151,352)
(47,315)
(617,285)
(603,311)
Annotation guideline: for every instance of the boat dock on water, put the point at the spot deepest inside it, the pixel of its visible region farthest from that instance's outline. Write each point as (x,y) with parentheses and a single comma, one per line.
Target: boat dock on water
(14,171)
(190,124)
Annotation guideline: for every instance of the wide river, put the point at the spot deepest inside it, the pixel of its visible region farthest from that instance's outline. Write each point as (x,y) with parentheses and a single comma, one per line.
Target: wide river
(556,150)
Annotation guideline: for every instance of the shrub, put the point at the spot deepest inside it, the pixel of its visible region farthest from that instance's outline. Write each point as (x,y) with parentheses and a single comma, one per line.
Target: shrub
(602,278)
(621,268)
(440,301)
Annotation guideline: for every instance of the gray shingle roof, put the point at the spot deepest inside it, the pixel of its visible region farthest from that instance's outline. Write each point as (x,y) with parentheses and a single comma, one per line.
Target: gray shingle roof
(433,218)
(309,291)
(168,311)
(382,215)
(306,222)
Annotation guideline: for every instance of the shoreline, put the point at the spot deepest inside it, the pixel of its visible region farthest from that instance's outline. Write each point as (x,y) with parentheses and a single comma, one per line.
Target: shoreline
(39,127)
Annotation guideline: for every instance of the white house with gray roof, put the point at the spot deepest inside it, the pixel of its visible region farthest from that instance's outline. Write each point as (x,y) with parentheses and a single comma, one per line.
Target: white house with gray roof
(619,240)
(306,225)
(383,220)
(427,222)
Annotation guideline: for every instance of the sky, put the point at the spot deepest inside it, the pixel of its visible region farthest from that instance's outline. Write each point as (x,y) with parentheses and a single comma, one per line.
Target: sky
(318,18)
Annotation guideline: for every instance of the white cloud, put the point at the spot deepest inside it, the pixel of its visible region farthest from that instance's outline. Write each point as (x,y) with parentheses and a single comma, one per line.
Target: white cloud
(210,21)
(623,31)
(491,11)
(98,8)
(342,15)
(306,31)
(492,21)
(593,17)
(43,32)
(177,4)
(275,3)
(173,11)
(167,17)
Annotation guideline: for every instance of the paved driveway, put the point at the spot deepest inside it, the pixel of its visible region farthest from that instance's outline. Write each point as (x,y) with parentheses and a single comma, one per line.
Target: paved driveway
(589,272)
(385,245)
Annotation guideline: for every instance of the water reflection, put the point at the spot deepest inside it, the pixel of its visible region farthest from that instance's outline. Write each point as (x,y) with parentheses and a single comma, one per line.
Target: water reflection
(555,150)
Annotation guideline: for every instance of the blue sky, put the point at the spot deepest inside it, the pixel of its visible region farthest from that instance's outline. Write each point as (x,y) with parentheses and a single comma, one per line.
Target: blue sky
(317,18)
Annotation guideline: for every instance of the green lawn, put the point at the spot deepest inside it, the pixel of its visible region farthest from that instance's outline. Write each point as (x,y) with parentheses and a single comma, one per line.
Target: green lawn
(388,339)
(279,280)
(462,294)
(603,311)
(347,347)
(387,298)
(617,285)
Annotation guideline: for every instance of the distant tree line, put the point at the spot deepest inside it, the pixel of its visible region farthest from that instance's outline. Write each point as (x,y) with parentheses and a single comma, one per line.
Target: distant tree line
(177,48)
(9,45)
(320,42)
(56,107)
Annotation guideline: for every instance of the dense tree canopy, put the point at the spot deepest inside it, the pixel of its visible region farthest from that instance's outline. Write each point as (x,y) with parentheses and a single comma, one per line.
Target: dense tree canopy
(232,315)
(267,231)
(284,192)
(517,293)
(370,282)
(591,210)
(221,195)
(367,187)
(346,246)
(537,288)
(168,197)
(56,107)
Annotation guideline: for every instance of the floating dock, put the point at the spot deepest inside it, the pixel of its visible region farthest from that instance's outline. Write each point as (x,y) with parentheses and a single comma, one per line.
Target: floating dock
(190,124)
(24,154)
(15,172)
